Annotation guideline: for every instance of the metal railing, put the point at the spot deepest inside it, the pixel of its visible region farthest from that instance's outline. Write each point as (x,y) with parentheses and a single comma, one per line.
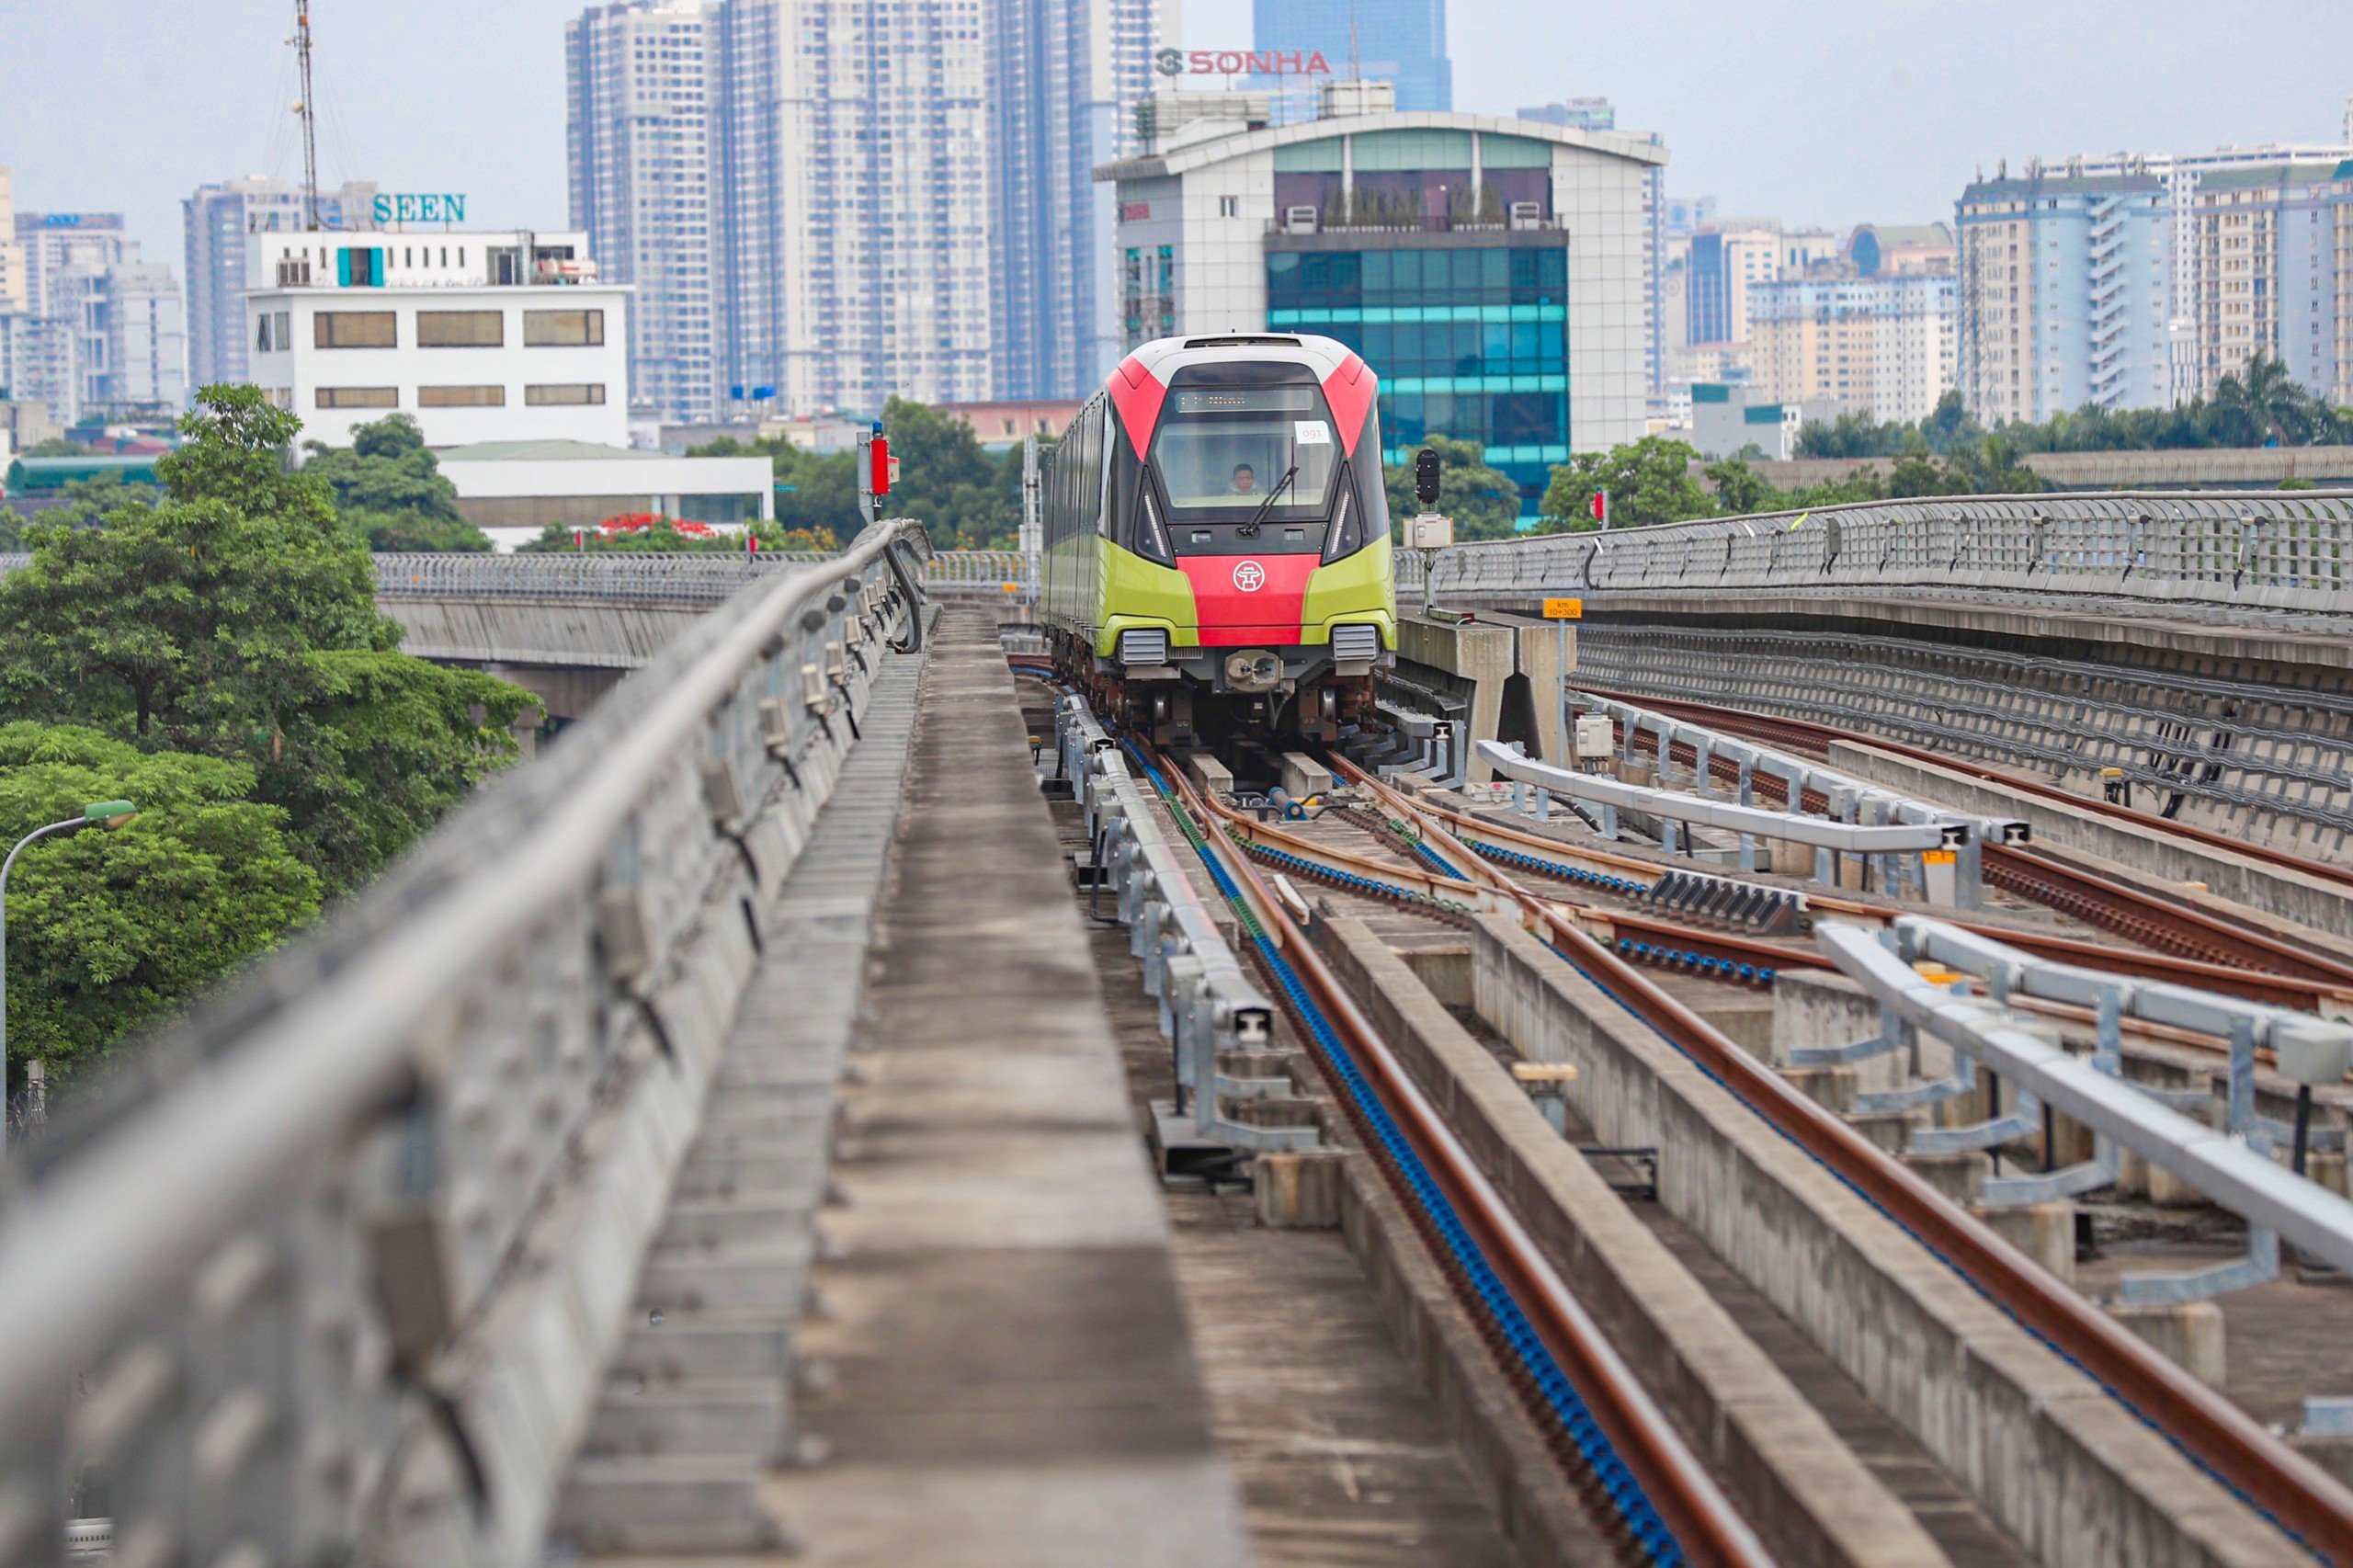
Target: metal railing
(334,1273)
(661,576)
(2278,550)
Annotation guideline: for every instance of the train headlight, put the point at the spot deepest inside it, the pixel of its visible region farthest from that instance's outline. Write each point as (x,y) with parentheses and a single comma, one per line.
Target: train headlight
(1347,535)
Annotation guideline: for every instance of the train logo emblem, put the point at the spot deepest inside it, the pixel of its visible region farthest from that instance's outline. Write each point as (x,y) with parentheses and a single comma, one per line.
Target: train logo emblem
(1249,577)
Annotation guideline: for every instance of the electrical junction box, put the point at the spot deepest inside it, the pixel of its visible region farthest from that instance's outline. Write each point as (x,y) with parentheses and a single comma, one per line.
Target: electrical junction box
(1428,531)
(1594,736)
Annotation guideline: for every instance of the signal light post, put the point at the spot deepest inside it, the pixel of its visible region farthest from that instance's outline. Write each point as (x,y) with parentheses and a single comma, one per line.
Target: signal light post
(877,471)
(1601,508)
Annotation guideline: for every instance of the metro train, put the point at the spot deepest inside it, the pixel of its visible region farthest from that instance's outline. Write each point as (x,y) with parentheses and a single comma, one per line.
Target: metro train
(1216,537)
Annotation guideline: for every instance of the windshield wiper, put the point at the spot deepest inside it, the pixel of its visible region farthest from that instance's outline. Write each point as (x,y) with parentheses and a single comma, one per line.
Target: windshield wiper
(1250,528)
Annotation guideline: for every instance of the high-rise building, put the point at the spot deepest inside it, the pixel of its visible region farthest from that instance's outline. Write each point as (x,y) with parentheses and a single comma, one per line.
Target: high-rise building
(1878,346)
(2270,248)
(641,133)
(2179,219)
(1489,271)
(2065,293)
(1402,42)
(223,222)
(1064,79)
(13,297)
(853,243)
(1726,259)
(100,331)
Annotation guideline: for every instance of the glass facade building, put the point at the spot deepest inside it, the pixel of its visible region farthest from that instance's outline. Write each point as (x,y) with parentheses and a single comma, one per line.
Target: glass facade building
(1470,332)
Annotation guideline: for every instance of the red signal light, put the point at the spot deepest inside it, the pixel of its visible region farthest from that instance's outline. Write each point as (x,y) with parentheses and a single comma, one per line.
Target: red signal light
(879,458)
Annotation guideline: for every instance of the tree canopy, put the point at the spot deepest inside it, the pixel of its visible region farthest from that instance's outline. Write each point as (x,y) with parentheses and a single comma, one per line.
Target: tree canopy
(970,498)
(2261,405)
(390,490)
(236,618)
(109,931)
(1649,480)
(1483,500)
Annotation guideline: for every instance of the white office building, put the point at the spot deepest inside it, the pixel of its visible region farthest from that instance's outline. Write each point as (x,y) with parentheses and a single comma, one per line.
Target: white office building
(224,224)
(641,128)
(498,335)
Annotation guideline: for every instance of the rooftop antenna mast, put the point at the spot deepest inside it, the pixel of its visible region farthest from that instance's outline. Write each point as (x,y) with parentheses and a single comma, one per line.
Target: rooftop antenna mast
(308,109)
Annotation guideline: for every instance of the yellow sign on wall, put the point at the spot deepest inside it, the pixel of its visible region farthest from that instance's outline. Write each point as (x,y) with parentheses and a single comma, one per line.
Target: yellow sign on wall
(1564,609)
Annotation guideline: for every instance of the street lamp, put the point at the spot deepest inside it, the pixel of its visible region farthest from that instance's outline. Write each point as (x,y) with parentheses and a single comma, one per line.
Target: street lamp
(97,813)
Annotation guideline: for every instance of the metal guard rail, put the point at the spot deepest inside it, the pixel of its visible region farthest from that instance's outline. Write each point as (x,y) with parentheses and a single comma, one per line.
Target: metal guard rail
(2220,1165)
(2291,550)
(334,1274)
(662,577)
(1207,1004)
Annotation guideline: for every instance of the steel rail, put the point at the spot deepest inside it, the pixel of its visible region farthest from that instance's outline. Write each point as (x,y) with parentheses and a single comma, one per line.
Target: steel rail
(1776,726)
(1704,1524)
(2192,935)
(2287,1486)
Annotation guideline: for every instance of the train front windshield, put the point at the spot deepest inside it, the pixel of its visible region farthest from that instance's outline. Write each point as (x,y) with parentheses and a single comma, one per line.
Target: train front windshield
(1221,451)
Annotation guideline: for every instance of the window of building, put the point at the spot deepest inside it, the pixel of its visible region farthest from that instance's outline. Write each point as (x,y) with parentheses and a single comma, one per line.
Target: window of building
(1229,206)
(461,329)
(462,397)
(353,329)
(563,329)
(275,334)
(564,393)
(359,397)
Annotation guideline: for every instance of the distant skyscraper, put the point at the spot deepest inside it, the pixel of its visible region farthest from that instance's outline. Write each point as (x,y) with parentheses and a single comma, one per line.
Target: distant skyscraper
(2065,291)
(853,239)
(1064,78)
(101,330)
(1394,40)
(12,251)
(221,221)
(639,128)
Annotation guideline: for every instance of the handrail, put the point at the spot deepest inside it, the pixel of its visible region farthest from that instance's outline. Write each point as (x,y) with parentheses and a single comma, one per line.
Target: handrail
(357,1207)
(2256,549)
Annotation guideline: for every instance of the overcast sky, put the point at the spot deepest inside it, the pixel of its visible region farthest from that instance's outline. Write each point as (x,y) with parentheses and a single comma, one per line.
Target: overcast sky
(1814,112)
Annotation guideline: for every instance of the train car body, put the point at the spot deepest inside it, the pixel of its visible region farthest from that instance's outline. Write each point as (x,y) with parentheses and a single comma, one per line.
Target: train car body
(1216,536)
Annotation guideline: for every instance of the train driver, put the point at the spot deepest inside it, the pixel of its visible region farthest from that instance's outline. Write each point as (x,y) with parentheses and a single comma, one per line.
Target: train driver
(1245,480)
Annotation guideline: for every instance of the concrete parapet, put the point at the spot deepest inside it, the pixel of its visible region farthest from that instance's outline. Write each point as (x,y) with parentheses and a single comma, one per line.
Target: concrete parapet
(2047,1452)
(2044,1231)
(1814,1500)
(1504,669)
(1298,1190)
(2190,1333)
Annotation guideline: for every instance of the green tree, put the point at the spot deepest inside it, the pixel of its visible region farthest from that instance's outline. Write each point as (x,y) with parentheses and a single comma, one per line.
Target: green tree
(946,478)
(1648,482)
(381,749)
(389,489)
(55,446)
(1483,500)
(111,930)
(214,621)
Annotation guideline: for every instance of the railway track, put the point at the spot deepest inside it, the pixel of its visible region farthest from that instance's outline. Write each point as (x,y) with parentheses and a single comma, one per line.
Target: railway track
(2219,1435)
(1618,1446)
(1444,867)
(2213,953)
